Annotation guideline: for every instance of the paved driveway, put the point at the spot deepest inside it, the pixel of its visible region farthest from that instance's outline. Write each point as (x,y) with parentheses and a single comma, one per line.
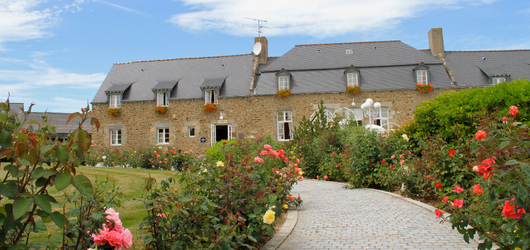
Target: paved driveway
(332,217)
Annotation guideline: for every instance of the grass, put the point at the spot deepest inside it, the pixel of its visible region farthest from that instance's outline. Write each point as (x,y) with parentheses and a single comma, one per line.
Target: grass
(131,183)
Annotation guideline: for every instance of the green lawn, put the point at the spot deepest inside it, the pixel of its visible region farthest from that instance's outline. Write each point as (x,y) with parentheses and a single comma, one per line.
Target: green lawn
(131,182)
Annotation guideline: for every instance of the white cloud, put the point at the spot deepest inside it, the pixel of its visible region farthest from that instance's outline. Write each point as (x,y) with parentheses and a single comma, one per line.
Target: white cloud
(305,17)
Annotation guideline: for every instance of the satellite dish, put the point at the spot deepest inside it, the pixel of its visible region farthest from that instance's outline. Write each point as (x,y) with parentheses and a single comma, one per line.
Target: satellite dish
(257,48)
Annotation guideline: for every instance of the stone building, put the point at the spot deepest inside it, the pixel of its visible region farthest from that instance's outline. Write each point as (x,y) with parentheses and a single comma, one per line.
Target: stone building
(244,88)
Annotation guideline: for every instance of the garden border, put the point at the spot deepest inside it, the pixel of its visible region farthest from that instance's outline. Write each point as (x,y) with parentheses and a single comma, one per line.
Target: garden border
(284,232)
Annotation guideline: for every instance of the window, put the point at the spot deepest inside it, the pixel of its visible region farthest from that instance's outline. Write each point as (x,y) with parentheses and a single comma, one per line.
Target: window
(285,125)
(382,119)
(163,136)
(115,137)
(162,98)
(191,131)
(421,76)
(353,79)
(115,101)
(210,96)
(283,82)
(497,80)
(354,115)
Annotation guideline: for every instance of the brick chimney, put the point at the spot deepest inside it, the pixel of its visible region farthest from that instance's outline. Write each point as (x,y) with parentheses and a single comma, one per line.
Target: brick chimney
(436,41)
(262,57)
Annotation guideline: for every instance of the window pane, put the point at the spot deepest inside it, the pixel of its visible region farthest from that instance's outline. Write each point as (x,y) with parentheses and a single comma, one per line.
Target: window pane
(352,79)
(288,116)
(192,131)
(283,82)
(422,76)
(280,116)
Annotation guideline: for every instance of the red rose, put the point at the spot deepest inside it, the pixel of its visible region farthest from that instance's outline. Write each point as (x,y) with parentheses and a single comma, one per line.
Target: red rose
(445,199)
(477,189)
(508,210)
(383,162)
(438,185)
(451,153)
(458,203)
(481,134)
(514,111)
(439,213)
(458,189)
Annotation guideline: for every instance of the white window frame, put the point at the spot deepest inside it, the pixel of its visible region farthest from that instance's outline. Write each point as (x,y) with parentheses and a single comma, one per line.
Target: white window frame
(213,133)
(283,118)
(422,76)
(353,79)
(162,98)
(163,135)
(354,115)
(115,101)
(283,82)
(208,98)
(383,117)
(190,129)
(497,80)
(115,137)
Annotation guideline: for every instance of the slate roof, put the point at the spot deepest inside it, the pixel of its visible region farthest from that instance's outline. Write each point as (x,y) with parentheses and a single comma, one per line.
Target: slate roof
(386,65)
(188,73)
(472,67)
(59,121)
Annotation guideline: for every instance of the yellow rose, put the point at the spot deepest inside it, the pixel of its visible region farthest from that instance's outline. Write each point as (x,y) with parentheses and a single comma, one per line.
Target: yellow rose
(285,206)
(268,217)
(301,173)
(517,248)
(273,207)
(220,164)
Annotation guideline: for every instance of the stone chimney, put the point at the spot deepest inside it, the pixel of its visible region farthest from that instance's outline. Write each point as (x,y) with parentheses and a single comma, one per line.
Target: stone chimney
(262,57)
(436,41)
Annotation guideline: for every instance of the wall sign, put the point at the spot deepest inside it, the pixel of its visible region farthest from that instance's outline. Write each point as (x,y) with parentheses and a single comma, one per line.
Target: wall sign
(203,139)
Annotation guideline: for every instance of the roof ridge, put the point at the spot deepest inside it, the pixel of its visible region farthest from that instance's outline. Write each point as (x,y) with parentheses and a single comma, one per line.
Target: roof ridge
(468,51)
(185,58)
(388,41)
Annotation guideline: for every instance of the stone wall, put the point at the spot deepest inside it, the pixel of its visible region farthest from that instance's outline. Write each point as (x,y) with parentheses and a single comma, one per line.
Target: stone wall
(250,117)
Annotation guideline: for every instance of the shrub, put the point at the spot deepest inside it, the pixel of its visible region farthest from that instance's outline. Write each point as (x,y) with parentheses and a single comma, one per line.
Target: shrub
(215,153)
(446,111)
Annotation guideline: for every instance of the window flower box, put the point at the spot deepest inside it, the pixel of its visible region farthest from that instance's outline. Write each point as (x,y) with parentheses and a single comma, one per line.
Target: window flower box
(209,107)
(161,109)
(114,111)
(353,90)
(283,93)
(424,88)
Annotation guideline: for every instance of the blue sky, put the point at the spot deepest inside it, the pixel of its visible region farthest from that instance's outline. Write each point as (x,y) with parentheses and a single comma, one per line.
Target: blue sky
(56,53)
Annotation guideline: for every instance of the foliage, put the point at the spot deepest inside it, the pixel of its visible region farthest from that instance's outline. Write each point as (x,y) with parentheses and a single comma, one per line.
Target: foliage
(215,153)
(447,111)
(501,184)
(353,90)
(160,109)
(209,107)
(114,111)
(424,88)
(222,204)
(26,205)
(283,93)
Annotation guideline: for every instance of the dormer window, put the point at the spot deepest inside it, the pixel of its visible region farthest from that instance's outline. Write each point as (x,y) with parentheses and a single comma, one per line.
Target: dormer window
(162,98)
(496,74)
(284,78)
(352,76)
(421,73)
(114,101)
(210,96)
(497,80)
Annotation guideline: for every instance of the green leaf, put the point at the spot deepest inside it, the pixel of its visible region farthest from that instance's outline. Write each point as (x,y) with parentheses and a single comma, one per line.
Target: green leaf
(13,170)
(84,140)
(59,219)
(51,129)
(62,153)
(503,144)
(9,189)
(257,210)
(225,244)
(40,225)
(43,202)
(6,141)
(252,238)
(272,198)
(62,181)
(33,157)
(523,193)
(40,182)
(21,206)
(525,168)
(50,173)
(83,184)
(38,173)
(46,148)
(511,162)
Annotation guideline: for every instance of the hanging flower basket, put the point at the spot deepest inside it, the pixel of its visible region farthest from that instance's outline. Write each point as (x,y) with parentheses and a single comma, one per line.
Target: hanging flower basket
(161,109)
(114,111)
(283,93)
(353,90)
(209,107)
(424,88)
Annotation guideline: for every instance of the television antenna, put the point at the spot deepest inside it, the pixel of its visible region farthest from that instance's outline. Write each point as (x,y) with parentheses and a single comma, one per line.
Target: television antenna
(260,24)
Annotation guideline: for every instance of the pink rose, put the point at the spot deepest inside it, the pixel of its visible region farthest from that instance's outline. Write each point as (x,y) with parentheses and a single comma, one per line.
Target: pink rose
(258,159)
(127,239)
(392,157)
(114,238)
(112,215)
(504,119)
(401,162)
(267,147)
(263,153)
(458,203)
(438,213)
(458,189)
(100,239)
(325,177)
